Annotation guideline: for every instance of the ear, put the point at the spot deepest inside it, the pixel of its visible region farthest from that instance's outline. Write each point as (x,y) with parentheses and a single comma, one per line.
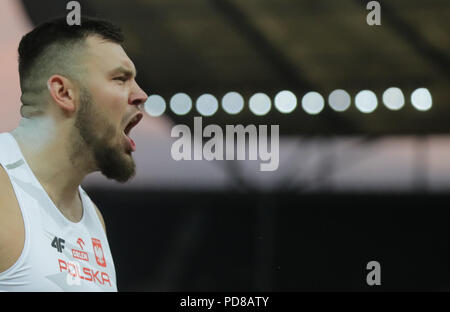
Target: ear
(62,92)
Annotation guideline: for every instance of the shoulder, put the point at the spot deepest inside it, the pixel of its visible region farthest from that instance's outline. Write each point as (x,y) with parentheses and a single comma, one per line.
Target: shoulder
(12,229)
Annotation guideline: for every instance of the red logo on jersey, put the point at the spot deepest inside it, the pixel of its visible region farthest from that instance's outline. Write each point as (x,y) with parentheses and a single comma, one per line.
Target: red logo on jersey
(80,255)
(98,251)
(81,243)
(84,273)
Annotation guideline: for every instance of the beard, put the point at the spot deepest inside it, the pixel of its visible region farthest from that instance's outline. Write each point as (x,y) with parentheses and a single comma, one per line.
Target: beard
(96,135)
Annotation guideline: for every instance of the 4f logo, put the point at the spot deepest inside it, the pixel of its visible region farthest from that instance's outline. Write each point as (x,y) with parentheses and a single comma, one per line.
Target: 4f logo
(58,243)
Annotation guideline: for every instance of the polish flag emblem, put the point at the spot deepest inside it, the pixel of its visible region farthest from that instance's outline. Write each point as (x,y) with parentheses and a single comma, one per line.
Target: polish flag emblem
(98,251)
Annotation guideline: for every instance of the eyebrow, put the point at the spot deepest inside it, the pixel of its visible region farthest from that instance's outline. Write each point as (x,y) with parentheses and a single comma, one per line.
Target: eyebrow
(122,70)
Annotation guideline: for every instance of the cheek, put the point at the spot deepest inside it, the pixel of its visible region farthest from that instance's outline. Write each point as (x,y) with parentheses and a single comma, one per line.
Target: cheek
(112,103)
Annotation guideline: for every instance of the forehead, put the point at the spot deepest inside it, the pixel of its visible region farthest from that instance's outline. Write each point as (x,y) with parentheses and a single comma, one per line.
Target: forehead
(106,56)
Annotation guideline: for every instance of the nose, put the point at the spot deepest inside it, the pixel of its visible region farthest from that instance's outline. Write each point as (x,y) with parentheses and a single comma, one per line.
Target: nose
(137,96)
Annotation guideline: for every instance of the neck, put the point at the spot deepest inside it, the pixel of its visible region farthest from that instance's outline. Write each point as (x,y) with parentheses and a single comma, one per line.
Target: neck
(48,150)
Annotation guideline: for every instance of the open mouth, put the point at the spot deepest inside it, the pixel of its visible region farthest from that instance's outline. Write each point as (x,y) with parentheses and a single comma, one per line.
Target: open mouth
(131,124)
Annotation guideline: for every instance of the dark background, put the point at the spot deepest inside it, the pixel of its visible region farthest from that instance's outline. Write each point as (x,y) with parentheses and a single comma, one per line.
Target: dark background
(280,242)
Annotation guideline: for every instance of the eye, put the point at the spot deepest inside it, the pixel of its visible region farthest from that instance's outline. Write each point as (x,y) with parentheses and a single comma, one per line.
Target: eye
(121,78)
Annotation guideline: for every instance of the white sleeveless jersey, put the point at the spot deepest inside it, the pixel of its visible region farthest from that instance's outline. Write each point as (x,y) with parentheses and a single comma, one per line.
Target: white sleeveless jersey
(58,255)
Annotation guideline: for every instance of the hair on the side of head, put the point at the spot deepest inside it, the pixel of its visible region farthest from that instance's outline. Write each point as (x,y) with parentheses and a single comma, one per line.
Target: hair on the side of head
(51,48)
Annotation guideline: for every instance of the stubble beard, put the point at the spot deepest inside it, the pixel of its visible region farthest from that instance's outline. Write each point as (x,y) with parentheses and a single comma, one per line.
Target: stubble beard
(97,137)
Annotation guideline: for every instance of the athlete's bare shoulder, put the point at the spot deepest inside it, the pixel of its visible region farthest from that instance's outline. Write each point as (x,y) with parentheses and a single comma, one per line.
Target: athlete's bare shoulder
(12,230)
